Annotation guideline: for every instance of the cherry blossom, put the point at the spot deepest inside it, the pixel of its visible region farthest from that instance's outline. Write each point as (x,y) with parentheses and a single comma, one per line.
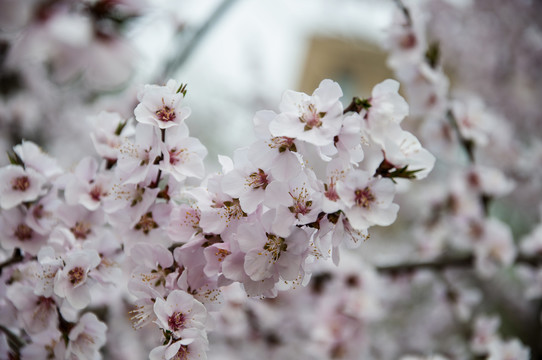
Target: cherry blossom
(315,119)
(19,185)
(180,312)
(368,200)
(161,105)
(72,282)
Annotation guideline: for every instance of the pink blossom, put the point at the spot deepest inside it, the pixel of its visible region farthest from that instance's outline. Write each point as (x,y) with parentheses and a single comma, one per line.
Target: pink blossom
(297,202)
(104,137)
(279,154)
(183,155)
(179,312)
(72,282)
(184,223)
(33,157)
(246,182)
(269,255)
(386,104)
(86,186)
(86,338)
(16,233)
(135,161)
(368,200)
(161,105)
(185,349)
(38,313)
(18,185)
(315,119)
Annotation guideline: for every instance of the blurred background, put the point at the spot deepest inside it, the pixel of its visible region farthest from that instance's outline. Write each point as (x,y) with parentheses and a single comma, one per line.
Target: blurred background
(62,60)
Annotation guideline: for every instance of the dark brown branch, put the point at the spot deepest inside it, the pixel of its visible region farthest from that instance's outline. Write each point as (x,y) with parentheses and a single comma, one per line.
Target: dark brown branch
(16,257)
(357,105)
(15,343)
(158,159)
(448,263)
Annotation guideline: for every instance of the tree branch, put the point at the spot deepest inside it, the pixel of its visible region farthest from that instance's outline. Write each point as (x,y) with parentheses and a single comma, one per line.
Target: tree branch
(16,257)
(448,263)
(176,62)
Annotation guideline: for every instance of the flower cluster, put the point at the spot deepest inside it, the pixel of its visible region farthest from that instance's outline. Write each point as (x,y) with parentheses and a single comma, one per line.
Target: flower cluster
(461,227)
(317,177)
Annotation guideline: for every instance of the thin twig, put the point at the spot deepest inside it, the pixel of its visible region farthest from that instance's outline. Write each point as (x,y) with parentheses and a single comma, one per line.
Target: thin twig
(405,11)
(15,343)
(183,55)
(448,263)
(16,257)
(467,144)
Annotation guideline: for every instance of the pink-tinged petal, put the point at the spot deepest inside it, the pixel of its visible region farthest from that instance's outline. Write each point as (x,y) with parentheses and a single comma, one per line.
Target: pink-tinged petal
(357,219)
(233,266)
(290,266)
(290,101)
(180,300)
(158,353)
(258,264)
(35,158)
(214,257)
(18,185)
(86,169)
(261,123)
(261,155)
(284,220)
(79,297)
(233,183)
(277,194)
(162,312)
(250,235)
(264,287)
(385,188)
(151,255)
(172,350)
(286,125)
(286,166)
(251,199)
(383,216)
(328,92)
(385,87)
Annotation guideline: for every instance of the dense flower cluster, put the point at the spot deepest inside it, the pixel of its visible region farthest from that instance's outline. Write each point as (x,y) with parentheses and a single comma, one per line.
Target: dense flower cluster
(318,176)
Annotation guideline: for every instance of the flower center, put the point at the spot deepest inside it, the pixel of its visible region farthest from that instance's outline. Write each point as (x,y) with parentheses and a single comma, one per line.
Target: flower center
(76,275)
(146,223)
(221,254)
(176,321)
(275,246)
(408,41)
(301,205)
(23,232)
(283,143)
(364,197)
(80,230)
(166,114)
(176,156)
(231,210)
(312,118)
(182,354)
(20,183)
(258,180)
(96,193)
(331,192)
